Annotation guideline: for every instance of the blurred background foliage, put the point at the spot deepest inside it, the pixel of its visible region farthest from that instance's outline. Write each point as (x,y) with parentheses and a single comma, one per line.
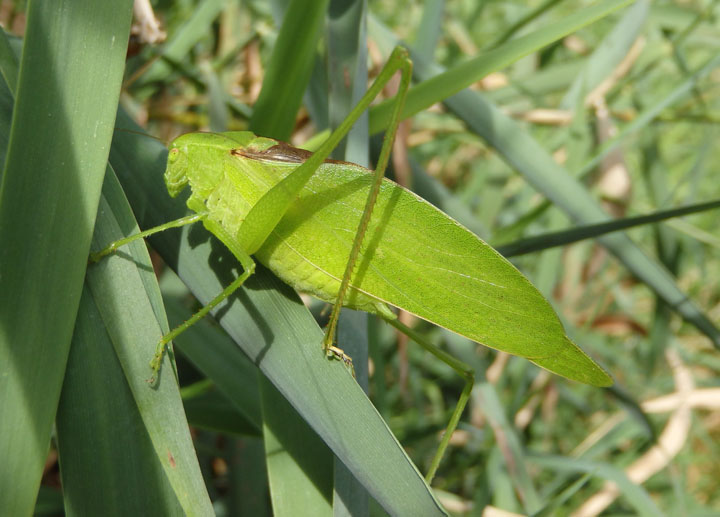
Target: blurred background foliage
(627,109)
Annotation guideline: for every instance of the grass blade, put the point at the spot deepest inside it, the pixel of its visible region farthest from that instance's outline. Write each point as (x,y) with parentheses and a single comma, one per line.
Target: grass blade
(590,231)
(8,62)
(439,87)
(184,40)
(635,494)
(299,470)
(230,369)
(649,114)
(514,456)
(347,75)
(608,54)
(289,69)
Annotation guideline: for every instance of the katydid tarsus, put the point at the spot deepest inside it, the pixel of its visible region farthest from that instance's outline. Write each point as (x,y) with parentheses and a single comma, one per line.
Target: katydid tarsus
(352,238)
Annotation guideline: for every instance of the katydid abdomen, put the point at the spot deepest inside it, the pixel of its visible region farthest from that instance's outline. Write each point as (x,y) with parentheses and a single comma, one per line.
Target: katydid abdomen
(413,256)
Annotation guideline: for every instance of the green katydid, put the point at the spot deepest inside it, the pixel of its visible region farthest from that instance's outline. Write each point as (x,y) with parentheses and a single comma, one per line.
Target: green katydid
(355,239)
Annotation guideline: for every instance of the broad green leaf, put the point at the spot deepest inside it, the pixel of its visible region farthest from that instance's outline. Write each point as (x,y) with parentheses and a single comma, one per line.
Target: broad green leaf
(299,470)
(134,328)
(108,465)
(67,93)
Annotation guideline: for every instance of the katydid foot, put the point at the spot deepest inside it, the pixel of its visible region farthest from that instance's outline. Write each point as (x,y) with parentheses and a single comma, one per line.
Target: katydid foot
(334,352)
(156,361)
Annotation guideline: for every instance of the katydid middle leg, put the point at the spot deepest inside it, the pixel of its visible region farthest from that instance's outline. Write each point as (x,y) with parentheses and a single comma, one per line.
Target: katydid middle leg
(248,266)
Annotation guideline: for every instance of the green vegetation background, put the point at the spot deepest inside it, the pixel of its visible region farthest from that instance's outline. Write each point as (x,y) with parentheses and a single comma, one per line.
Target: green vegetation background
(590,111)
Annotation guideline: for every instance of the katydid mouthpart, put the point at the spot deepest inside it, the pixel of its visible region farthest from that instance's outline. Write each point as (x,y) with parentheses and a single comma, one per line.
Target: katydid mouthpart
(348,236)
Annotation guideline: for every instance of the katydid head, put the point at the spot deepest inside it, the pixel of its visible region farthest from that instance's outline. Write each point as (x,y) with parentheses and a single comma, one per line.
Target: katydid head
(189,152)
(193,157)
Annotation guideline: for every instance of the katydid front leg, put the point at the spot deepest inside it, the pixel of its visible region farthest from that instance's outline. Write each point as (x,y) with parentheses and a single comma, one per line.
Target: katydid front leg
(113,246)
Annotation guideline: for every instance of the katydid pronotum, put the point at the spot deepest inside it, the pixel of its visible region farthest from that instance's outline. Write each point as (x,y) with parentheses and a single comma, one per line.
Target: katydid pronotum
(349,236)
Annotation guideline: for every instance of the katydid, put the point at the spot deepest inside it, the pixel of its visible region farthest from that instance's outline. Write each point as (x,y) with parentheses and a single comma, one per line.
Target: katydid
(349,236)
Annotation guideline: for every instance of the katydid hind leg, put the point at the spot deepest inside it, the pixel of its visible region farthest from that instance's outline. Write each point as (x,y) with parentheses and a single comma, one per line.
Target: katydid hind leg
(265,214)
(398,61)
(464,370)
(248,266)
